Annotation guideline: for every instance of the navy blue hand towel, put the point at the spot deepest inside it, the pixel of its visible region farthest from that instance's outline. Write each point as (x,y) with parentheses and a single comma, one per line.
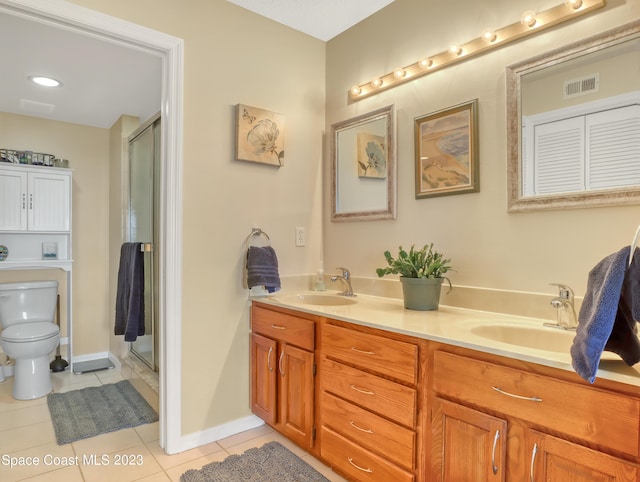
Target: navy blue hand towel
(262,268)
(602,306)
(130,292)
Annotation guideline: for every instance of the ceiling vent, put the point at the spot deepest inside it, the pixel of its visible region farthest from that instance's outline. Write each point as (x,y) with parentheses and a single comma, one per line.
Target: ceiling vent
(582,86)
(36,107)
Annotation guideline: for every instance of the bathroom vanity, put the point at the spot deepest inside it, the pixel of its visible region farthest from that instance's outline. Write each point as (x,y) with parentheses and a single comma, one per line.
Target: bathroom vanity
(381,393)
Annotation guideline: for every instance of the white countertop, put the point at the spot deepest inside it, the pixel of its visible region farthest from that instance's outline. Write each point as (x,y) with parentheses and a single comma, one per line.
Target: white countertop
(455,326)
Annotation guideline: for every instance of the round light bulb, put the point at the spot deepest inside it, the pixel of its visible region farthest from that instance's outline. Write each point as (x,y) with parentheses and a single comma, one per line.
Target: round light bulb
(489,35)
(425,63)
(455,50)
(376,82)
(528,18)
(356,90)
(575,4)
(399,73)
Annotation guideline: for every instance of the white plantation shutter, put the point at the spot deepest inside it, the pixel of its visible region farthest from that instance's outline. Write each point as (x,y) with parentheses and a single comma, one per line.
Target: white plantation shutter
(593,151)
(559,156)
(613,148)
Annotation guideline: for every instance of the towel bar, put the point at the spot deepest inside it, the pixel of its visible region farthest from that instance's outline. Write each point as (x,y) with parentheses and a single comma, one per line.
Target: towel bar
(257,232)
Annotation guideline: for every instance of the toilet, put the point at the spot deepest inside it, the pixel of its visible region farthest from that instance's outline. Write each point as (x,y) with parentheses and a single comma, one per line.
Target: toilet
(29,335)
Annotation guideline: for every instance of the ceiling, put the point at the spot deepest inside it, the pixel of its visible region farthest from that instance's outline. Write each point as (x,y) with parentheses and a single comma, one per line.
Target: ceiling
(322,19)
(103,80)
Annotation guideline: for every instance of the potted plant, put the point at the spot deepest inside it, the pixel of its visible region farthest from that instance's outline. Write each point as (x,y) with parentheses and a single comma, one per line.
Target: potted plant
(421,274)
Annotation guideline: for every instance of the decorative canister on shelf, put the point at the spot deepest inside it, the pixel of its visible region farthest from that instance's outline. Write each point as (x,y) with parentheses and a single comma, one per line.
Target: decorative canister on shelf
(420,273)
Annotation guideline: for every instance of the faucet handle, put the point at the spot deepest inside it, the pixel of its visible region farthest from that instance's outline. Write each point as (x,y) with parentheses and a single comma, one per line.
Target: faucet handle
(565,292)
(346,274)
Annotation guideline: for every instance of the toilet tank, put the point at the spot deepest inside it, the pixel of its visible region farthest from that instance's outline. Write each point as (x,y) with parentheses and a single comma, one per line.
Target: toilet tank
(27,301)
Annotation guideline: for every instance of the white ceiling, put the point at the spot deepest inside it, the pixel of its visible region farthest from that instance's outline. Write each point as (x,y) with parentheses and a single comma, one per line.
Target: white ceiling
(323,19)
(103,80)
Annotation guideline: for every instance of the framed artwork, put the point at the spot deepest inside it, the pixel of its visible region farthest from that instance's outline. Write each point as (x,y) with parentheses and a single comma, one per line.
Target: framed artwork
(446,149)
(260,136)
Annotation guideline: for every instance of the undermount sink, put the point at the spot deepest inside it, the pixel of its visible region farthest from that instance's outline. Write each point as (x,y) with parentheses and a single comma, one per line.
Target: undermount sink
(323,300)
(536,337)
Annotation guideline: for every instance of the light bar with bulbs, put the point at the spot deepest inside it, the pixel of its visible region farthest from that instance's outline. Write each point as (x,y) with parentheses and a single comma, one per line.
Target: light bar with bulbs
(530,23)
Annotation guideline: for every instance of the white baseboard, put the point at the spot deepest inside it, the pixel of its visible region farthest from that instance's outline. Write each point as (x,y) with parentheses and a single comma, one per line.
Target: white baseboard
(219,432)
(98,356)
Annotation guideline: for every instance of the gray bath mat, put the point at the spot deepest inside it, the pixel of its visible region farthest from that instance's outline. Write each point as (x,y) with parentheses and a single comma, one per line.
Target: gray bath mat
(91,411)
(269,463)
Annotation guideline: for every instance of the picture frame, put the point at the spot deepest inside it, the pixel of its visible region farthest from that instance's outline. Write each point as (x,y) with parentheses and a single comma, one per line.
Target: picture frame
(446,151)
(260,136)
(49,250)
(363,167)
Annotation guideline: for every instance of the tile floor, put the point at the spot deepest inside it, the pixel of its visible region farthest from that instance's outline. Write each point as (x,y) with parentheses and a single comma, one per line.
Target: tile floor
(26,432)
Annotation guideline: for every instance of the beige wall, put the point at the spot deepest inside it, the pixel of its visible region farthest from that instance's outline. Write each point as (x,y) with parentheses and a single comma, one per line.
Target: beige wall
(87,150)
(489,247)
(231,57)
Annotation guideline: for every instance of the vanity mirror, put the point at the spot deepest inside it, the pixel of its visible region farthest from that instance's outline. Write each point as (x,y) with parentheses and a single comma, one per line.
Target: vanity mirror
(573,124)
(363,168)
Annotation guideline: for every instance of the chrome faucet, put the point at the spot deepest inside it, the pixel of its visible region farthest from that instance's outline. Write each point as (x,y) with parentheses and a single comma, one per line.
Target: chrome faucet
(567,319)
(346,280)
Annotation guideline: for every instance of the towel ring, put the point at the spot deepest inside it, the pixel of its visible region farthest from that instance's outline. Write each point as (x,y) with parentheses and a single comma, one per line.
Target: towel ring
(258,234)
(634,244)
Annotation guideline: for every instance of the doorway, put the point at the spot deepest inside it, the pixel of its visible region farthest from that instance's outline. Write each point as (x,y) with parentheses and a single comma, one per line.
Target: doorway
(143,223)
(171,49)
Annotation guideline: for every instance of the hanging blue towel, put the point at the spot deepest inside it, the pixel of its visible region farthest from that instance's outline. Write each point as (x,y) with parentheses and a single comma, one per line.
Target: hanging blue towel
(262,268)
(130,292)
(602,306)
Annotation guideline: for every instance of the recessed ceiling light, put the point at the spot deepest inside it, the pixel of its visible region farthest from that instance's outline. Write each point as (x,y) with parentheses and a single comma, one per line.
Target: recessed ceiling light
(45,81)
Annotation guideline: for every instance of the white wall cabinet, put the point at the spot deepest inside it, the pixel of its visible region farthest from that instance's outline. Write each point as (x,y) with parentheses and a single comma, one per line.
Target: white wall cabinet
(35,199)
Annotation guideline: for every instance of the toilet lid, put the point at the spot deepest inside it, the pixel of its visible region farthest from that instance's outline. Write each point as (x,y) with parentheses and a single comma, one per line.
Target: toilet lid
(26,332)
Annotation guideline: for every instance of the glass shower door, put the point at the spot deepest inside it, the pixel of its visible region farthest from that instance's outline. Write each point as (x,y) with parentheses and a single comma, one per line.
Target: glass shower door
(144,153)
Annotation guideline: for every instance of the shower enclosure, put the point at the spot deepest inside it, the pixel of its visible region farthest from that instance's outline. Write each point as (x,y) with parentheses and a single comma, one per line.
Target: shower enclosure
(144,179)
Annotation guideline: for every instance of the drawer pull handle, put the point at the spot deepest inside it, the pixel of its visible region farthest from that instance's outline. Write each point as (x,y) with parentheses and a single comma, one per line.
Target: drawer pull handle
(278,327)
(362,390)
(363,352)
(530,399)
(269,359)
(533,459)
(280,363)
(365,430)
(358,467)
(494,467)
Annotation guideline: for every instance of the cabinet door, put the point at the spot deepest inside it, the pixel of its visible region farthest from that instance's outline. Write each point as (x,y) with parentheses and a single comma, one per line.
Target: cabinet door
(49,202)
(467,445)
(295,398)
(264,363)
(13,200)
(555,460)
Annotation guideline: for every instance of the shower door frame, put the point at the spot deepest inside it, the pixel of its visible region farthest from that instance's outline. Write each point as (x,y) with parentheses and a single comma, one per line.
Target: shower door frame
(150,244)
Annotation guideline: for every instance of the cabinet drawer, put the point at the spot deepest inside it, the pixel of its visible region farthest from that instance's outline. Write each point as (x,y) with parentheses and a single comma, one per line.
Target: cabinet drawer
(358,463)
(392,358)
(391,399)
(281,326)
(372,432)
(590,414)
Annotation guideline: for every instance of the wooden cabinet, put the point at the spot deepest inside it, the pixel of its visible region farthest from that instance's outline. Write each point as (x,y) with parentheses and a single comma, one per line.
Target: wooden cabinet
(468,445)
(35,199)
(369,403)
(555,460)
(494,422)
(282,372)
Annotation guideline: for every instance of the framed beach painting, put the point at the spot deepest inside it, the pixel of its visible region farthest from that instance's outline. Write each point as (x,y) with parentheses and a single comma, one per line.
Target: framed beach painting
(260,136)
(446,149)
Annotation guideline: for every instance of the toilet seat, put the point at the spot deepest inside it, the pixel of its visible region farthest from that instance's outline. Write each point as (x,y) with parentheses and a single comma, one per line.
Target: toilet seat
(30,332)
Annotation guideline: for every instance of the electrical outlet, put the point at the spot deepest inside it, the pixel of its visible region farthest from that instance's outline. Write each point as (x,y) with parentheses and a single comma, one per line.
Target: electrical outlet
(300,237)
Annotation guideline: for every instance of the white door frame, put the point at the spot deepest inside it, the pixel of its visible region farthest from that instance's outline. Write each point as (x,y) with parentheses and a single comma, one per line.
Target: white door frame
(170,49)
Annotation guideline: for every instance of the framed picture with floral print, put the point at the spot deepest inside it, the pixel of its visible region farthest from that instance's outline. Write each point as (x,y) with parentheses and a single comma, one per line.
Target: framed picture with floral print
(260,136)
(447,151)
